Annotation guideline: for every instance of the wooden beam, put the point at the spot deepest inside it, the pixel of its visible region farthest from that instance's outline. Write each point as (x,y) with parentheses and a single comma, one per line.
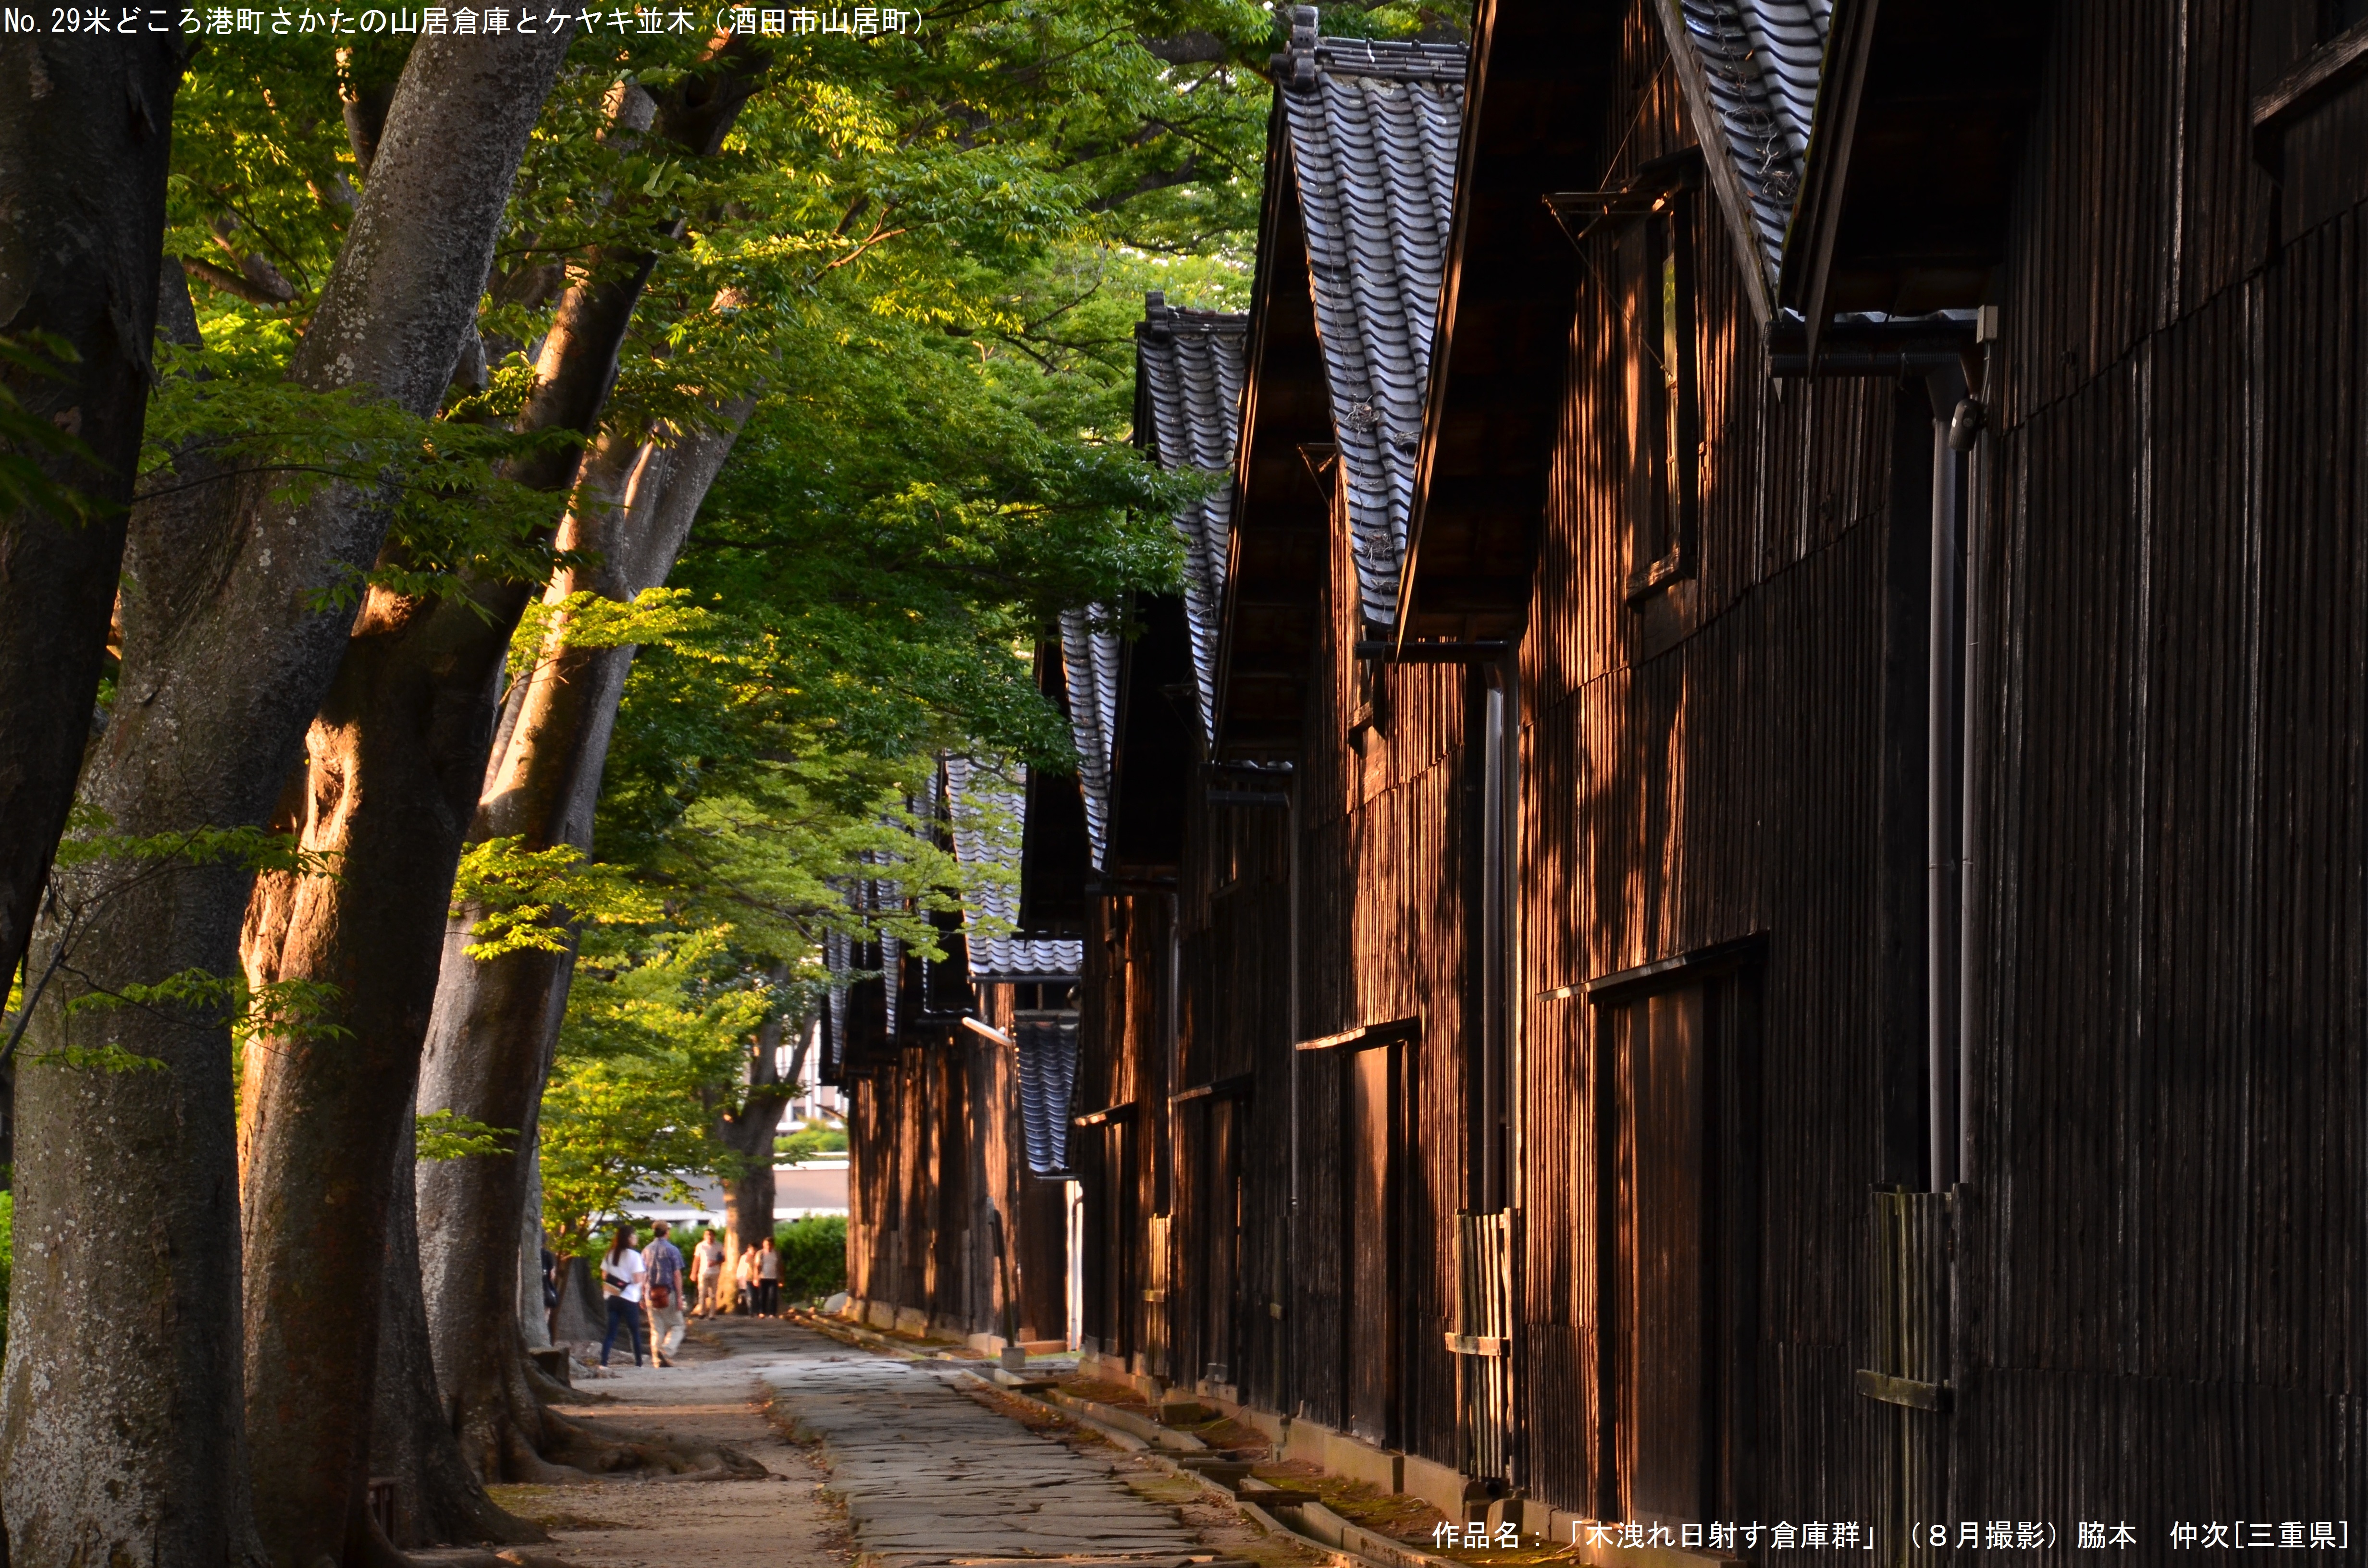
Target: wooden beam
(1486,652)
(1717,956)
(981,1026)
(1124,1111)
(1903,1390)
(1365,1034)
(2323,72)
(1234,1088)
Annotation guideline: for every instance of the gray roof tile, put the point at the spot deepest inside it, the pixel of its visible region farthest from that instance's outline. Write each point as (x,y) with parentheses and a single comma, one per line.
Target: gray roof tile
(1090,661)
(986,808)
(1191,365)
(1373,130)
(1763,58)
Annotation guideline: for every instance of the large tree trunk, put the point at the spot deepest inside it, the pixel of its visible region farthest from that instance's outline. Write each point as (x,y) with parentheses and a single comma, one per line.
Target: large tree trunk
(394,766)
(391,770)
(438,1498)
(85,136)
(748,1130)
(122,1416)
(497,1023)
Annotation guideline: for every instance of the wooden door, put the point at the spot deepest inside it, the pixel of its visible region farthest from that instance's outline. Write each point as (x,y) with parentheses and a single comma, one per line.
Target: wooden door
(1371,1332)
(1222,1225)
(1670,1335)
(1116,1222)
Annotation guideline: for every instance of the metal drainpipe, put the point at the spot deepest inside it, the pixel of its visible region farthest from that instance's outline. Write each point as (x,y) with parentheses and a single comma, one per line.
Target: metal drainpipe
(1944,733)
(1975,499)
(1175,1053)
(1287,1395)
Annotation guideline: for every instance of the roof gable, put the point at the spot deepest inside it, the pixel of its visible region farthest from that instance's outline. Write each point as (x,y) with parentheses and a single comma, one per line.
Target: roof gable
(1752,69)
(1373,128)
(1188,371)
(986,811)
(1500,350)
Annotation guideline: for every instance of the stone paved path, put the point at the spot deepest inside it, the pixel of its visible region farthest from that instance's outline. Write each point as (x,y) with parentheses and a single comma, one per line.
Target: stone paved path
(932,1478)
(715,1397)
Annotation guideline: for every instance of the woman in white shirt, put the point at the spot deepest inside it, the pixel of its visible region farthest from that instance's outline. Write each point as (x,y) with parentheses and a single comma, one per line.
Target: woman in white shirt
(621,1281)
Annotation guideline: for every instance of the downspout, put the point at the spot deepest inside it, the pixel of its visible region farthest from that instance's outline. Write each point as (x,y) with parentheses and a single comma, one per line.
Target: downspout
(1287,1383)
(1175,1052)
(1965,430)
(1944,778)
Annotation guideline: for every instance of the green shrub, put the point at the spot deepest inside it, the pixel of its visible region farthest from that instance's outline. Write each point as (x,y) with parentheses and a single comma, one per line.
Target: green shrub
(814,1256)
(813,1139)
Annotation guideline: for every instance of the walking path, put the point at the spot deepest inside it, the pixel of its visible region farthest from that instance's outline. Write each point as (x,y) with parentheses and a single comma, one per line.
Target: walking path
(895,1464)
(715,1397)
(932,1477)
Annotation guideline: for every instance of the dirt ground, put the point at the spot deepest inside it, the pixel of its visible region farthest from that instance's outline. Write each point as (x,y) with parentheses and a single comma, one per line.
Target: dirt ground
(712,1397)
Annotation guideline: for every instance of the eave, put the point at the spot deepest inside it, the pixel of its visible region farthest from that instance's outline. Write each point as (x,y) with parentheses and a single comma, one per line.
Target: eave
(1275,574)
(1911,166)
(1499,355)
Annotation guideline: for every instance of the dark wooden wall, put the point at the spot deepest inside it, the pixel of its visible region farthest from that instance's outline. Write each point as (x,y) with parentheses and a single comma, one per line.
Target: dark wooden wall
(2161,1271)
(2160,1290)
(943,1215)
(1385,918)
(2162,1268)
(1703,765)
(1122,1070)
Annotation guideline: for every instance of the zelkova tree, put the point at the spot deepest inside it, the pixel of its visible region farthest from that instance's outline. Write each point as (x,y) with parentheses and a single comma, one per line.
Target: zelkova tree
(391,770)
(942,205)
(85,136)
(495,1021)
(121,1413)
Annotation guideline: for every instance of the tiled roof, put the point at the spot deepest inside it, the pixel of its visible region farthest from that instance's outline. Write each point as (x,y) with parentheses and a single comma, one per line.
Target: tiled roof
(1762,60)
(1089,662)
(1373,130)
(986,809)
(1047,1046)
(1188,371)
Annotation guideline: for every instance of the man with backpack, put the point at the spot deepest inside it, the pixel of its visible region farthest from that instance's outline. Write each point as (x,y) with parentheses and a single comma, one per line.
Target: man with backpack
(664,1262)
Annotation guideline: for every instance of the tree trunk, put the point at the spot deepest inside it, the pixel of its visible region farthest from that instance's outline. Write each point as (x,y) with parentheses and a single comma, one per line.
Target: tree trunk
(121,1416)
(534,1318)
(749,1129)
(497,1024)
(85,136)
(390,778)
(393,766)
(438,1500)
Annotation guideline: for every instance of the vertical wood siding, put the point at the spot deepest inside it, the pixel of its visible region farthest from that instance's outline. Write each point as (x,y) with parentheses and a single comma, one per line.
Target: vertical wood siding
(2160,1286)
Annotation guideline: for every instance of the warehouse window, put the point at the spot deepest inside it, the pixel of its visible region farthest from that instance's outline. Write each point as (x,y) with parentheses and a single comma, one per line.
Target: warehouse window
(1662,367)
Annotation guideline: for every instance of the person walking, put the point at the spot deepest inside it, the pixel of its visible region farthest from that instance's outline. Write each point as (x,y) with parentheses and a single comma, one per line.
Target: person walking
(664,1262)
(621,1272)
(768,1280)
(710,1253)
(744,1282)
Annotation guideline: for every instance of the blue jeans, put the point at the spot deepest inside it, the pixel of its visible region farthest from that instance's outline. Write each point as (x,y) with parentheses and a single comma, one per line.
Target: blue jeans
(629,1313)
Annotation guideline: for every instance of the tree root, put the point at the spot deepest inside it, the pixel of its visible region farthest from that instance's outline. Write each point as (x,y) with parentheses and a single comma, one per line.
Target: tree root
(589,1452)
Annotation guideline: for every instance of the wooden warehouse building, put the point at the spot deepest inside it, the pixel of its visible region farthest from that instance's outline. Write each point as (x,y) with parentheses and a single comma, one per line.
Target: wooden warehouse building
(956,1072)
(1736,893)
